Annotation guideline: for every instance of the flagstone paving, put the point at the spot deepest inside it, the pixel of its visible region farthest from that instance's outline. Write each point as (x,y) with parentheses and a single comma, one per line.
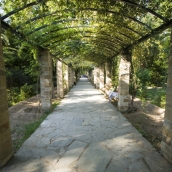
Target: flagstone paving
(86,133)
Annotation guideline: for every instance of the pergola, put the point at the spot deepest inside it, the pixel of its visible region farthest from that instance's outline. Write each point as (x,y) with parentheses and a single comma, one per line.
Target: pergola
(110,26)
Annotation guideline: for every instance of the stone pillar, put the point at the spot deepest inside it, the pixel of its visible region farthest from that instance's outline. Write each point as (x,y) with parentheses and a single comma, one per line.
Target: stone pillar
(66,78)
(94,76)
(6,151)
(124,79)
(77,75)
(97,77)
(52,77)
(60,91)
(90,75)
(108,69)
(166,144)
(101,72)
(45,61)
(70,77)
(73,76)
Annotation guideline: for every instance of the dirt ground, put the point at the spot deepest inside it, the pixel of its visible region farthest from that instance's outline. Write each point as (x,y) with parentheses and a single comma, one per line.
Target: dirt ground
(21,114)
(148,119)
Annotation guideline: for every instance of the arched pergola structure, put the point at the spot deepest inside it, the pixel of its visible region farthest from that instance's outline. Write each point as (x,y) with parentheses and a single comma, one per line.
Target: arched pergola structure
(113,27)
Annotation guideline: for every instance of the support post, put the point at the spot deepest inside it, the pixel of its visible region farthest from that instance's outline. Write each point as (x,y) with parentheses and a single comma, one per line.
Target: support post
(101,76)
(70,77)
(6,151)
(90,75)
(97,74)
(166,144)
(73,76)
(124,79)
(60,91)
(66,79)
(45,61)
(108,68)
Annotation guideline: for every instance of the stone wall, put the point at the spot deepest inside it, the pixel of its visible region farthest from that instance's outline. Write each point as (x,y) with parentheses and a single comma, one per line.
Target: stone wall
(97,81)
(45,61)
(70,76)
(60,90)
(123,91)
(166,144)
(66,78)
(5,135)
(108,69)
(101,77)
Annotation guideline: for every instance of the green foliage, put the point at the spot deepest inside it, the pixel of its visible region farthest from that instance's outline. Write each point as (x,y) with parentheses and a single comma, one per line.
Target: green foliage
(84,34)
(93,30)
(158,97)
(150,64)
(16,94)
(141,130)
(143,78)
(115,71)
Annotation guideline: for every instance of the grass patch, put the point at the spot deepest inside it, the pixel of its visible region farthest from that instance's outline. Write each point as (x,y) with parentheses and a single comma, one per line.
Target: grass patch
(28,129)
(141,130)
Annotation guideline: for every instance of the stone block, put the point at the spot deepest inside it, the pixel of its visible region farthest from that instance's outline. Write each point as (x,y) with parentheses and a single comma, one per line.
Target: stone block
(3,97)
(126,100)
(2,82)
(169,79)
(168,111)
(1,58)
(122,108)
(169,96)
(167,136)
(46,93)
(123,92)
(2,72)
(5,131)
(47,77)
(168,124)
(166,151)
(3,91)
(4,114)
(5,151)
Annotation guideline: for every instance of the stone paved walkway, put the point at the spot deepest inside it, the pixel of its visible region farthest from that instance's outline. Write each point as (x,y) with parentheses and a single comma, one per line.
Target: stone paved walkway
(86,133)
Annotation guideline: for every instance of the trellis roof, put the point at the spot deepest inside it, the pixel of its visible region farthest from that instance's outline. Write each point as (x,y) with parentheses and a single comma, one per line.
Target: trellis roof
(103,28)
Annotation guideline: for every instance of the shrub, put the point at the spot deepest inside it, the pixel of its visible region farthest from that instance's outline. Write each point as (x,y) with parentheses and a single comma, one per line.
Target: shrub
(160,98)
(16,94)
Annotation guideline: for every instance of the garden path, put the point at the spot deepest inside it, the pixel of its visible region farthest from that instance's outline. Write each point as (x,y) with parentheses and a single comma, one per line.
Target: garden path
(86,133)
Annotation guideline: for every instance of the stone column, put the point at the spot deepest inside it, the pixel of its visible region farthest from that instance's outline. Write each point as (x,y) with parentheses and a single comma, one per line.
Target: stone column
(60,91)
(108,69)
(66,78)
(166,144)
(97,78)
(70,77)
(73,76)
(101,79)
(124,79)
(45,61)
(52,77)
(90,75)
(6,151)
(78,75)
(94,76)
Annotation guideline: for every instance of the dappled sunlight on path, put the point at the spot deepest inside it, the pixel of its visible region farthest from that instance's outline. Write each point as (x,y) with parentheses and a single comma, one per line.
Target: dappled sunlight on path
(86,133)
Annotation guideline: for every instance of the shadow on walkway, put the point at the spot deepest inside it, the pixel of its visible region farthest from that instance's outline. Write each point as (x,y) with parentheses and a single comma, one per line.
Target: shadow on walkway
(86,133)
